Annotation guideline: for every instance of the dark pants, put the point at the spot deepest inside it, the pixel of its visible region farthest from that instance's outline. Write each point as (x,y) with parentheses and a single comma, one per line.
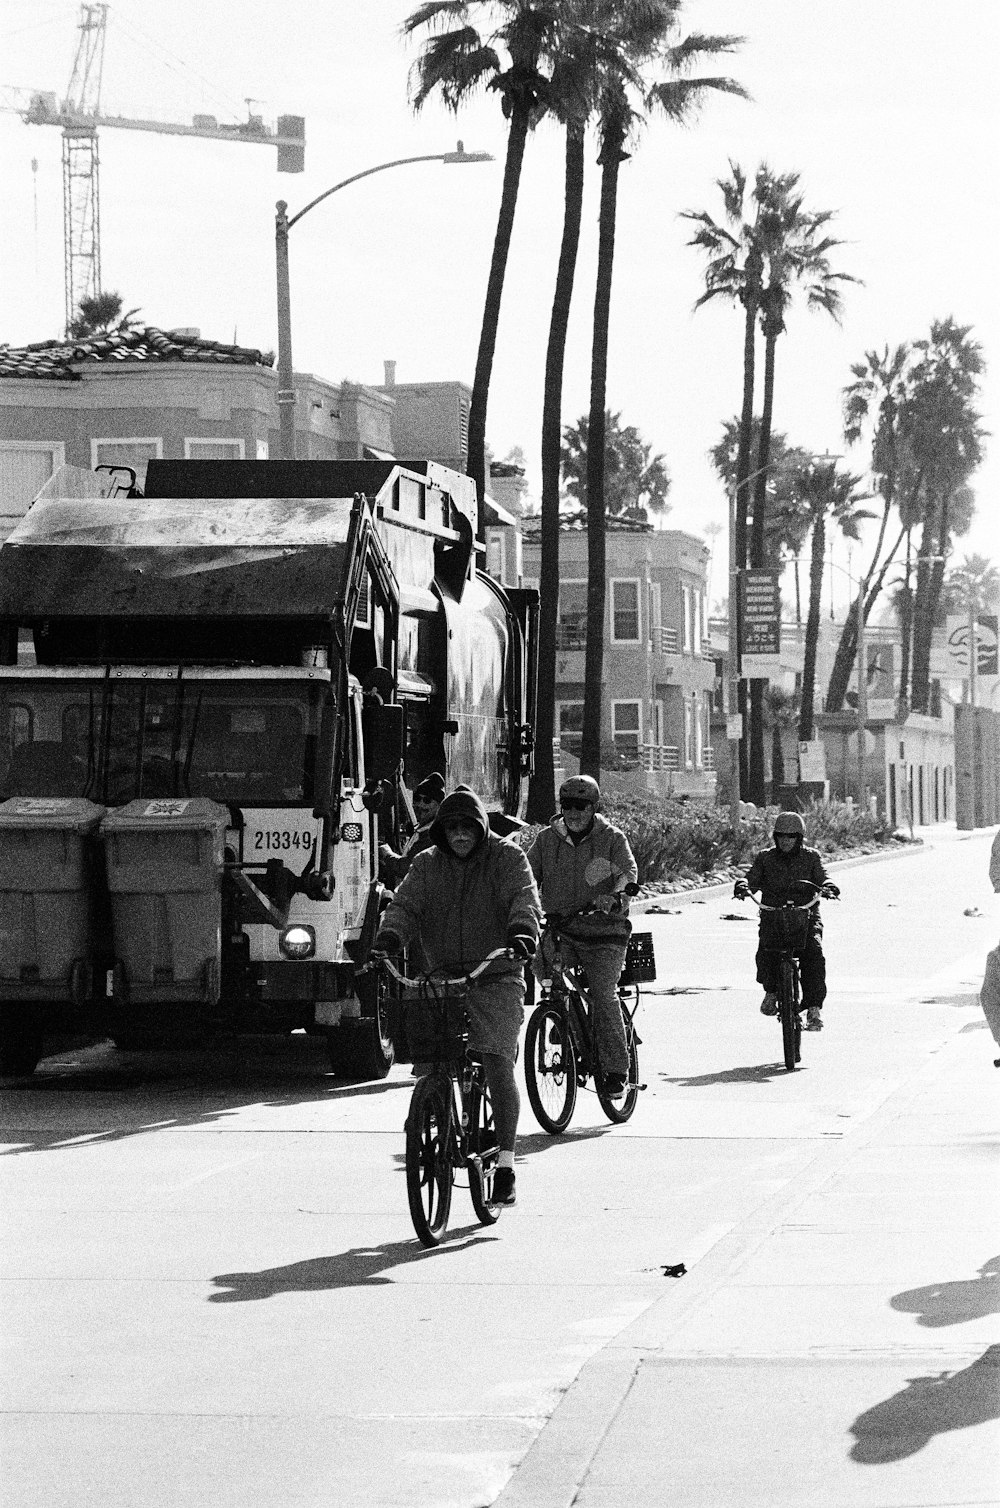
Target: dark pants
(812,966)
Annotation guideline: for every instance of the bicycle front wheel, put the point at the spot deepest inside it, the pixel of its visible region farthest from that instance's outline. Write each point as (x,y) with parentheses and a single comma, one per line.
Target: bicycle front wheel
(791,1029)
(550,1068)
(484,1150)
(429,1173)
(620,1110)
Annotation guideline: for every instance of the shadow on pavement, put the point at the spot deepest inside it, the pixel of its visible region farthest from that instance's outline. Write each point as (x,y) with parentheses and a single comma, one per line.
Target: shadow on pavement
(357,1268)
(752,1073)
(105,1095)
(941,1304)
(928,1406)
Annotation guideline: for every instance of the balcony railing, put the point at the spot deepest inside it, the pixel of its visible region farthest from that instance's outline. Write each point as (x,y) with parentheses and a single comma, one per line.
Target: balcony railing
(667,641)
(668,757)
(571,635)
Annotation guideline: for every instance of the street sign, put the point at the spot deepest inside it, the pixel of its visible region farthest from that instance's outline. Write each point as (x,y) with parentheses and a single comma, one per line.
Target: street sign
(761,633)
(812,761)
(734,727)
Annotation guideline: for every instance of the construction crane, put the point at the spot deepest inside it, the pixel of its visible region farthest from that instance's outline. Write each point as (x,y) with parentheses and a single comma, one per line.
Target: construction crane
(79,116)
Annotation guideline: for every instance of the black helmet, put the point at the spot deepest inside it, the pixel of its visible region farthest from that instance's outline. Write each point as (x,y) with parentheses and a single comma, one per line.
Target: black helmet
(789,822)
(581,788)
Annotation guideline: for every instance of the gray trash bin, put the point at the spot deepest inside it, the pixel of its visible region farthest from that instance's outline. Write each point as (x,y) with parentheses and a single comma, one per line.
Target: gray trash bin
(47,897)
(164,863)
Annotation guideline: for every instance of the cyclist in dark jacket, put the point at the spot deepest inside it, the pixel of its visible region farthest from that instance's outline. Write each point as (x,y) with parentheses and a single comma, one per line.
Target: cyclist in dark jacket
(775,872)
(468,894)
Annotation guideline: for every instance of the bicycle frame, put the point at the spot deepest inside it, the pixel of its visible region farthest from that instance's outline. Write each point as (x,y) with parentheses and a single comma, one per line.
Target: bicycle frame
(789,995)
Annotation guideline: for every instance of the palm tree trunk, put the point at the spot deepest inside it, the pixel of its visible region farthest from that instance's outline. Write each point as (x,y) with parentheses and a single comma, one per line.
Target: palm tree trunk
(806,724)
(516,139)
(924,625)
(741,510)
(847,647)
(541,791)
(611,159)
(757,791)
(923,619)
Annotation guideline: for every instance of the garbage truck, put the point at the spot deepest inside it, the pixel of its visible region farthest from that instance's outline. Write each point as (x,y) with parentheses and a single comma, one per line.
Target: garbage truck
(216,694)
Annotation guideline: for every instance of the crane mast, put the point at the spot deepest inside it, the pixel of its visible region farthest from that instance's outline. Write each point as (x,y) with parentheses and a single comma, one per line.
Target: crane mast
(81,166)
(80,116)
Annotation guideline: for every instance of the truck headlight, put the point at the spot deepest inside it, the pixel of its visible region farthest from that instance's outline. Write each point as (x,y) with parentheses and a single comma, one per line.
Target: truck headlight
(297,942)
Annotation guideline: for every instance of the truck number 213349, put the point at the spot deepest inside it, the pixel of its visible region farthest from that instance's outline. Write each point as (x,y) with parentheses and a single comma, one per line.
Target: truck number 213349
(274,839)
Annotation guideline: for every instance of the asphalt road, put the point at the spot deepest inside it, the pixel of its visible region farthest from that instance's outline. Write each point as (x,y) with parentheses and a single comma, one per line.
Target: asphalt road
(211,1293)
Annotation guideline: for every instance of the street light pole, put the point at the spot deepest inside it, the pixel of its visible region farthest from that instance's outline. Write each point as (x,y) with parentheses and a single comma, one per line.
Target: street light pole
(282,225)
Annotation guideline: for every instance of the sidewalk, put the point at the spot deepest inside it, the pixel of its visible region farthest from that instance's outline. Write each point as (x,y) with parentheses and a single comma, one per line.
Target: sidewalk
(837,1348)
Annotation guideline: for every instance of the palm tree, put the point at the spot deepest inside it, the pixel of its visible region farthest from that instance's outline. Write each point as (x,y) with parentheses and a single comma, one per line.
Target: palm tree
(796,254)
(636,481)
(100,315)
(872,408)
(455,64)
(572,98)
(947,438)
(828,495)
(736,251)
(640,39)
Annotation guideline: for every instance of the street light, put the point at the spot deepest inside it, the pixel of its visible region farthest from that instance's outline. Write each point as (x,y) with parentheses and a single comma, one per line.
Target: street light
(282,225)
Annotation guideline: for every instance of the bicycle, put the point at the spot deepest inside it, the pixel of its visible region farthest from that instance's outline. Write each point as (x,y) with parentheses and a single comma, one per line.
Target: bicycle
(560,1051)
(449,1124)
(793,928)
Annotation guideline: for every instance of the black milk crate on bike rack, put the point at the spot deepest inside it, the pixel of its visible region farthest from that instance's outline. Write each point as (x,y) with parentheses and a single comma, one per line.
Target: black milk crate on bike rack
(435,1027)
(640,961)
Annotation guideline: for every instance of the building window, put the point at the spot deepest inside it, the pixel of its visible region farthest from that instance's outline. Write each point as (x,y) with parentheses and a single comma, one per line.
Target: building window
(696,621)
(571,630)
(569,726)
(654,615)
(134,452)
(626,726)
(25,467)
(213,450)
(689,721)
(625,612)
(686,613)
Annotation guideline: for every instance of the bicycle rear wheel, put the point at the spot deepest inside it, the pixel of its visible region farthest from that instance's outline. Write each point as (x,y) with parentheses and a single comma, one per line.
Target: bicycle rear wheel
(484,1151)
(620,1110)
(429,1173)
(791,1028)
(550,1068)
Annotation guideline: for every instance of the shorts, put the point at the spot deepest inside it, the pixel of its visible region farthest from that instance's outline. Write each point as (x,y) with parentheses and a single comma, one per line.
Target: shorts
(496,1014)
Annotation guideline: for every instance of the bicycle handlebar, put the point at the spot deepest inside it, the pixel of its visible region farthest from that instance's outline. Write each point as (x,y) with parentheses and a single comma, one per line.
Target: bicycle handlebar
(383,960)
(559,919)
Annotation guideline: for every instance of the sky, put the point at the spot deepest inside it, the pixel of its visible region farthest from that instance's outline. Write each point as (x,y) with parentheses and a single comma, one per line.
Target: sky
(886,108)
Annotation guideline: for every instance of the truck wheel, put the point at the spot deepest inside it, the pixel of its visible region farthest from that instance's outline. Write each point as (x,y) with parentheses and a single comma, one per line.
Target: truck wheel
(363,1049)
(21,1043)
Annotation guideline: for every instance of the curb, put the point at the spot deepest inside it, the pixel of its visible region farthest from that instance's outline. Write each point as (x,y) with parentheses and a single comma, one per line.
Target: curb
(724,888)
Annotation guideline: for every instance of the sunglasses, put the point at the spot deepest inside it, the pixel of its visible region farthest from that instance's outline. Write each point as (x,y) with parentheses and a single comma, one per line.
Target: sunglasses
(570,804)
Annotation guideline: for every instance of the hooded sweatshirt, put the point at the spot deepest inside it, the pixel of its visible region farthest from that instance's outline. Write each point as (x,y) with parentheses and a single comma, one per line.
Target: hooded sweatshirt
(572,875)
(774,873)
(461,909)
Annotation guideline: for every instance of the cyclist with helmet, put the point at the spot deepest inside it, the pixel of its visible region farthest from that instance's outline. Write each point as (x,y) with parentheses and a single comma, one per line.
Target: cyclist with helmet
(581,860)
(775,872)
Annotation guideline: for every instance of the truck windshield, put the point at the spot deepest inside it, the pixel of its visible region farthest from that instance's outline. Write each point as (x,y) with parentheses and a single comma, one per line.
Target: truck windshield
(239,742)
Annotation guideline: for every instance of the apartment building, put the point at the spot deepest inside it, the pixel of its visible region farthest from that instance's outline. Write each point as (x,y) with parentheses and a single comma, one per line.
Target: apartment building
(659,670)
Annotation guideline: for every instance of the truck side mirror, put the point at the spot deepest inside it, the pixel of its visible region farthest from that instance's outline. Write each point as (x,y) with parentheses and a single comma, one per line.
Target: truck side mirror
(383,731)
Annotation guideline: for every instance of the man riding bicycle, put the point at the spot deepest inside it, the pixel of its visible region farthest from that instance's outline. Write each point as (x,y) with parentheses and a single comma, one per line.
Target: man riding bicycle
(777,872)
(581,861)
(467,894)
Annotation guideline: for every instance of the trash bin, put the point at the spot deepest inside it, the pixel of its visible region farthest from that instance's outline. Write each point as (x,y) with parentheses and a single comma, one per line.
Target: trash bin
(48,897)
(164,863)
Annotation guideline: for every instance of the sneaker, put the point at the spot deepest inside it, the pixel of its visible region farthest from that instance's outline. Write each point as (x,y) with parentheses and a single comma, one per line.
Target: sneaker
(769,1004)
(814,1019)
(614,1085)
(504,1187)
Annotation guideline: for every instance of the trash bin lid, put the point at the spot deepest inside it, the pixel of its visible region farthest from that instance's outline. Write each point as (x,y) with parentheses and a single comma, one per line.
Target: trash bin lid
(60,813)
(168,814)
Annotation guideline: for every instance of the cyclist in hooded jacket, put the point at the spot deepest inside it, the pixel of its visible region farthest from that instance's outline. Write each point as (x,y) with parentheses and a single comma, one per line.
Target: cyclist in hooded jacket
(775,872)
(467,894)
(583,860)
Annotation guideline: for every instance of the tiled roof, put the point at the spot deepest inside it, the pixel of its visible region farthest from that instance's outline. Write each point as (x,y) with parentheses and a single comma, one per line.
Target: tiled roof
(61,359)
(576,523)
